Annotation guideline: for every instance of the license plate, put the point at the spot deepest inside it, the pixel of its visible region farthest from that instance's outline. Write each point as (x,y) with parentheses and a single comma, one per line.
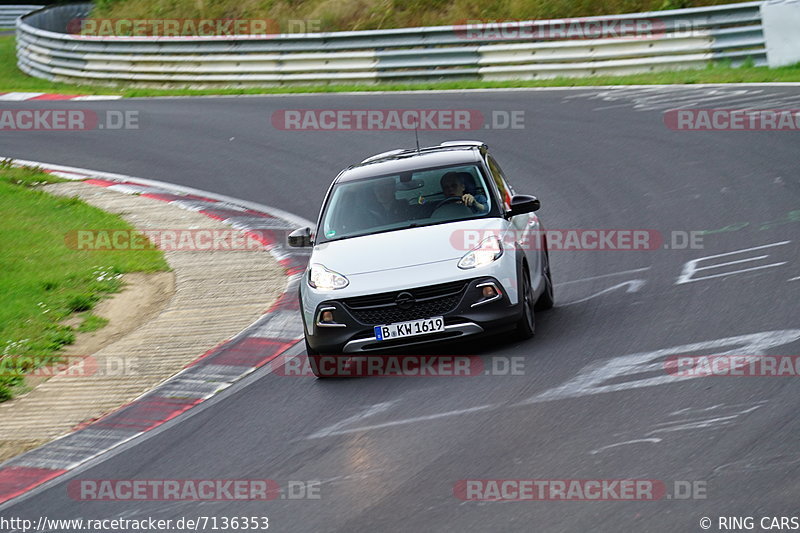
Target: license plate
(411,328)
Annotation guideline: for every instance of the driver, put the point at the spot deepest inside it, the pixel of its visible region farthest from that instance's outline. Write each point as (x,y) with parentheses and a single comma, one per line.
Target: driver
(454,186)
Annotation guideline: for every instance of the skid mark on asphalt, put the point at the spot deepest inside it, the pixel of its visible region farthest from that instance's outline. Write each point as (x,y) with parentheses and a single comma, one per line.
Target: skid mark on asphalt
(723,417)
(652,440)
(702,423)
(690,409)
(782,463)
(364,475)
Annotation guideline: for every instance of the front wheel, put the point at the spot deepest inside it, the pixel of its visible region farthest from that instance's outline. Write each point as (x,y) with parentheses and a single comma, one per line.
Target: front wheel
(315,359)
(309,350)
(526,324)
(318,361)
(546,299)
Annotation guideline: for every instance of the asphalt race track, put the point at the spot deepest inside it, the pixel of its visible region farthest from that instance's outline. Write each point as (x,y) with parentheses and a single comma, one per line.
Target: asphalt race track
(388,452)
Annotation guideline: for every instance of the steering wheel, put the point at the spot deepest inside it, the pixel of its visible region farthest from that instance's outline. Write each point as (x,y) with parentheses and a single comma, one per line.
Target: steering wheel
(448,200)
(449,208)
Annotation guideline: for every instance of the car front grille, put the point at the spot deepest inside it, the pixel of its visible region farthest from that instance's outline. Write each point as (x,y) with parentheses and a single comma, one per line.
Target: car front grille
(433,300)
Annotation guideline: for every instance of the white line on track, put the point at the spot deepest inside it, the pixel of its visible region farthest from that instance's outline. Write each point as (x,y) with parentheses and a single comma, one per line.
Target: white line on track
(633,286)
(337,427)
(603,276)
(330,431)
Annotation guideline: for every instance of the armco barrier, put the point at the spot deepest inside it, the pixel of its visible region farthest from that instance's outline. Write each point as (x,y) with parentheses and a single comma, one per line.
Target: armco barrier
(687,38)
(10,14)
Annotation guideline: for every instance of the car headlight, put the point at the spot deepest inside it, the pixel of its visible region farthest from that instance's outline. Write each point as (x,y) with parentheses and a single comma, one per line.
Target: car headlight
(487,251)
(323,279)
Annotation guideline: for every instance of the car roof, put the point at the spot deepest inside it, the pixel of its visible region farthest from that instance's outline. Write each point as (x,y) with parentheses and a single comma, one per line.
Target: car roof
(396,161)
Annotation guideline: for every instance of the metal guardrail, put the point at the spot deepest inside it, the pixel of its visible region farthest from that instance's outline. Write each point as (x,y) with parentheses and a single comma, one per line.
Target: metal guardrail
(10,14)
(687,38)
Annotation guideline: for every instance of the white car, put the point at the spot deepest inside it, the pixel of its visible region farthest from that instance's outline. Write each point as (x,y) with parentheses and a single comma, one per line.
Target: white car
(421,246)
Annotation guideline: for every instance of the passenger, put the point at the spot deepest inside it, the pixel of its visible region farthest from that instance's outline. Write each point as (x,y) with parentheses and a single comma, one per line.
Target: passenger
(454,186)
(386,207)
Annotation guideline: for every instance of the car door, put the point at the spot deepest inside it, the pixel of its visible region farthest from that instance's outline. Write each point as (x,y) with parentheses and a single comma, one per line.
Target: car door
(526,226)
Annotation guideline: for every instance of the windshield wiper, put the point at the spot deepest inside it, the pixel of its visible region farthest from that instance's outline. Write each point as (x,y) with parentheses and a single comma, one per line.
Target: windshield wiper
(412,225)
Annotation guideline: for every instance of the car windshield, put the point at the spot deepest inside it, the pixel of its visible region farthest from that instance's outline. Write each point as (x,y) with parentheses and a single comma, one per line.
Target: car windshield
(408,199)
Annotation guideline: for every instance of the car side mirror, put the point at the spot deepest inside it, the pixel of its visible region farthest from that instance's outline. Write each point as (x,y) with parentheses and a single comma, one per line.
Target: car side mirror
(300,238)
(523,203)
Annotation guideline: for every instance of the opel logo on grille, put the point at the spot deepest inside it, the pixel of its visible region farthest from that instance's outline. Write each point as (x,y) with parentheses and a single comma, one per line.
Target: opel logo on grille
(405,300)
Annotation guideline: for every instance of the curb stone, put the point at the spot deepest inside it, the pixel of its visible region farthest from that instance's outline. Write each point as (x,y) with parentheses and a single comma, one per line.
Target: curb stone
(277,330)
(25,97)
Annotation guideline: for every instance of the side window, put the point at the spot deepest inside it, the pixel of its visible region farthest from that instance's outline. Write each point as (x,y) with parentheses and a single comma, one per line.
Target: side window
(506,192)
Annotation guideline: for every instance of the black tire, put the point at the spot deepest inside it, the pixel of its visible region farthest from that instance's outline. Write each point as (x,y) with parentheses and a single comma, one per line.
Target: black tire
(314,358)
(546,299)
(526,324)
(309,350)
(316,361)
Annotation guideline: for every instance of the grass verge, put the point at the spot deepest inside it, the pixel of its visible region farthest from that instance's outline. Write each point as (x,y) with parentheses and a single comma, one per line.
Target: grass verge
(43,281)
(335,15)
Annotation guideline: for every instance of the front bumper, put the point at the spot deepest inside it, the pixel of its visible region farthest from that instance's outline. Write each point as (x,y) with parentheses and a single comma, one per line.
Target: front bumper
(465,314)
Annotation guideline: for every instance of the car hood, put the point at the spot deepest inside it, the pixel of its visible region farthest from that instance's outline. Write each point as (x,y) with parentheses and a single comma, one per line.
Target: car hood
(403,248)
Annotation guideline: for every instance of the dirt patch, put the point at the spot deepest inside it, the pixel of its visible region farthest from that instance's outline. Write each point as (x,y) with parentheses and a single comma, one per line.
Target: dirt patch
(143,297)
(12,448)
